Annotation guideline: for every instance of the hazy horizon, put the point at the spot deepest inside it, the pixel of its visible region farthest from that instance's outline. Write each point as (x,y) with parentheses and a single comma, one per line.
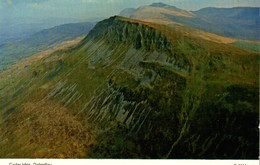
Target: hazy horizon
(87,9)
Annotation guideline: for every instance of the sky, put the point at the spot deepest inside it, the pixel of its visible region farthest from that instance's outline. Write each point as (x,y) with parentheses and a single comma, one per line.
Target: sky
(84,9)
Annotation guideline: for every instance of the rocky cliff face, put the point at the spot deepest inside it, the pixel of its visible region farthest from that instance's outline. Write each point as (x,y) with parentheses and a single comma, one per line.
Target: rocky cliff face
(116,30)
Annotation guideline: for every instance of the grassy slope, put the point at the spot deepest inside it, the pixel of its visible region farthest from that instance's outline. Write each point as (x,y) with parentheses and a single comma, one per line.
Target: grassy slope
(247,45)
(132,90)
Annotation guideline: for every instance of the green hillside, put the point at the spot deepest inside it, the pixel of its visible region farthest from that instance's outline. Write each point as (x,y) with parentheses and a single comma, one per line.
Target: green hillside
(132,89)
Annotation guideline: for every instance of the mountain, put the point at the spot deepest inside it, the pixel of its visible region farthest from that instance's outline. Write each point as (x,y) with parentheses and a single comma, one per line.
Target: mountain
(15,32)
(133,89)
(13,51)
(241,22)
(12,29)
(237,13)
(160,4)
(156,11)
(58,34)
(127,12)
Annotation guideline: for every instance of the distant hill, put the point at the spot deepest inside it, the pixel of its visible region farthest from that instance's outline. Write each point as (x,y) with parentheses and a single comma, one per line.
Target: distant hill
(13,51)
(157,11)
(12,29)
(240,22)
(238,13)
(18,31)
(127,12)
(58,34)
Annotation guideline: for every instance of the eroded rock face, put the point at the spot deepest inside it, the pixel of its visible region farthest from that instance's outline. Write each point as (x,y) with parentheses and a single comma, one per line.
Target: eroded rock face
(141,36)
(116,31)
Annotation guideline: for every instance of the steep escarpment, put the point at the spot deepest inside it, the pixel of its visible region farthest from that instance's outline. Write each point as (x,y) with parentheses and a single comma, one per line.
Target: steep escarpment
(119,30)
(168,91)
(133,90)
(141,36)
(181,49)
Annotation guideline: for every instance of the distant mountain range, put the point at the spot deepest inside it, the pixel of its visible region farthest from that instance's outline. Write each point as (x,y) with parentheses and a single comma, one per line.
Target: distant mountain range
(12,29)
(12,51)
(239,22)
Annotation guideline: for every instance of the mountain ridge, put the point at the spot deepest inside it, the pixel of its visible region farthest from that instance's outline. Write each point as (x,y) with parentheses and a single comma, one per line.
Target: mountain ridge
(133,89)
(240,22)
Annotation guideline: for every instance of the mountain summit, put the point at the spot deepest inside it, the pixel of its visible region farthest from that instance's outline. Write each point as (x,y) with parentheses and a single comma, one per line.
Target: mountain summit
(160,4)
(156,12)
(127,12)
